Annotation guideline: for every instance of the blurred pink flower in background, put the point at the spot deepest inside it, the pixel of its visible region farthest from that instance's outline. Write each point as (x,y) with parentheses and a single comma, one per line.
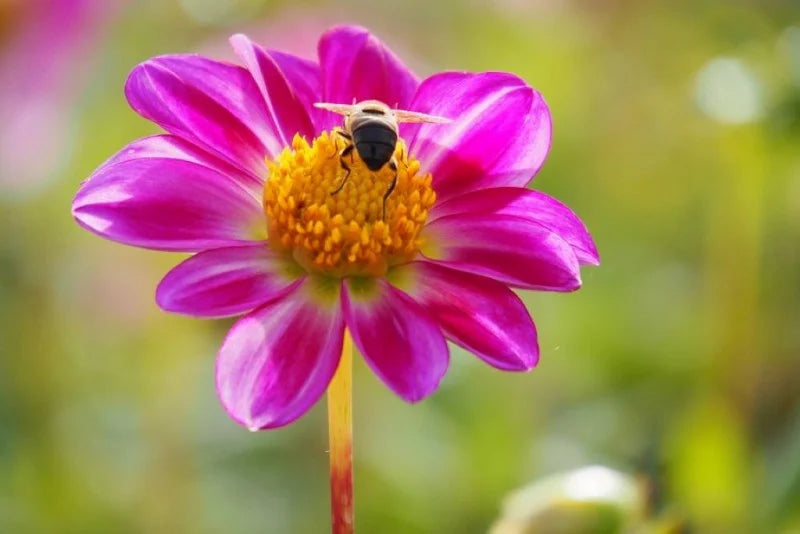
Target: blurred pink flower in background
(46,49)
(295,30)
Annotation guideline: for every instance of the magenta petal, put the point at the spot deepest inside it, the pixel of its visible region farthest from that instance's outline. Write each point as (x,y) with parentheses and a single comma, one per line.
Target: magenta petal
(215,105)
(500,134)
(224,281)
(400,341)
(513,250)
(305,78)
(533,205)
(276,362)
(287,113)
(357,65)
(168,199)
(167,146)
(482,315)
(303,75)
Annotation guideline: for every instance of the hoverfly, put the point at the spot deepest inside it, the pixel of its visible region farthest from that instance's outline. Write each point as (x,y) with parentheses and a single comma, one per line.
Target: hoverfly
(370,128)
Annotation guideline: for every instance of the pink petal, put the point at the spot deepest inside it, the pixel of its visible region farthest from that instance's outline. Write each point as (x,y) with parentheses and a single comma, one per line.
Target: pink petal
(305,78)
(276,362)
(168,199)
(527,204)
(224,281)
(356,65)
(214,105)
(500,134)
(481,315)
(167,146)
(513,250)
(400,341)
(288,114)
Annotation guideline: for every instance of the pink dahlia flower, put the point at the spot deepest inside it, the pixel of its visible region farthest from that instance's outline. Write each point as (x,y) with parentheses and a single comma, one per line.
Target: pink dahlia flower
(244,178)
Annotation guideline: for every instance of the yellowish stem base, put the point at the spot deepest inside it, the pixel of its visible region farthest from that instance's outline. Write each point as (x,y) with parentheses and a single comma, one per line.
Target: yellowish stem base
(340,437)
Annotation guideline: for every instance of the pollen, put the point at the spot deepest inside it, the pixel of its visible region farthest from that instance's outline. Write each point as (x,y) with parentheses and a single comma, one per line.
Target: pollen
(344,232)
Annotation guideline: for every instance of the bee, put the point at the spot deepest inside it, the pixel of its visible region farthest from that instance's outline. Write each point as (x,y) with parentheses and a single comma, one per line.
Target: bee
(370,128)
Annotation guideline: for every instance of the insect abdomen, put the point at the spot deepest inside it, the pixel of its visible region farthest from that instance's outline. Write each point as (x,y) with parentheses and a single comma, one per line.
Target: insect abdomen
(375,143)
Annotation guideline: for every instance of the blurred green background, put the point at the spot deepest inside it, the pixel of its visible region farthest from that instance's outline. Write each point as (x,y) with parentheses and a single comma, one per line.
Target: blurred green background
(677,140)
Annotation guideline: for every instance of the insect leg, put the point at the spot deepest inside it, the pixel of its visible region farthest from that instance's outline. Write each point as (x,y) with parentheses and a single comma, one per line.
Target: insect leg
(341,133)
(345,151)
(392,185)
(403,158)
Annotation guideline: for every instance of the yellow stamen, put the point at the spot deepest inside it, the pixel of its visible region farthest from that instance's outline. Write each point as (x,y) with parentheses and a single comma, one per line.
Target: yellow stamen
(344,234)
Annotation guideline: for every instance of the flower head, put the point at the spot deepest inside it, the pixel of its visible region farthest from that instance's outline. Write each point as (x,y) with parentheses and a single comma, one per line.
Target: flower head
(249,177)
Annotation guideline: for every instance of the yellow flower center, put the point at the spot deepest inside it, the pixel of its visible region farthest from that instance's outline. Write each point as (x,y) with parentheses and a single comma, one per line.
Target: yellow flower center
(344,233)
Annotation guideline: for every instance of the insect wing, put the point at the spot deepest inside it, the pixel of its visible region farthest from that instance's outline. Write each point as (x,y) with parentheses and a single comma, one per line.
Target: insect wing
(412,116)
(341,109)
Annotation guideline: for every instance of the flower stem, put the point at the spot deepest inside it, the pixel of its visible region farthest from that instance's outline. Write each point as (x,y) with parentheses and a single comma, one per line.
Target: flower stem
(340,438)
